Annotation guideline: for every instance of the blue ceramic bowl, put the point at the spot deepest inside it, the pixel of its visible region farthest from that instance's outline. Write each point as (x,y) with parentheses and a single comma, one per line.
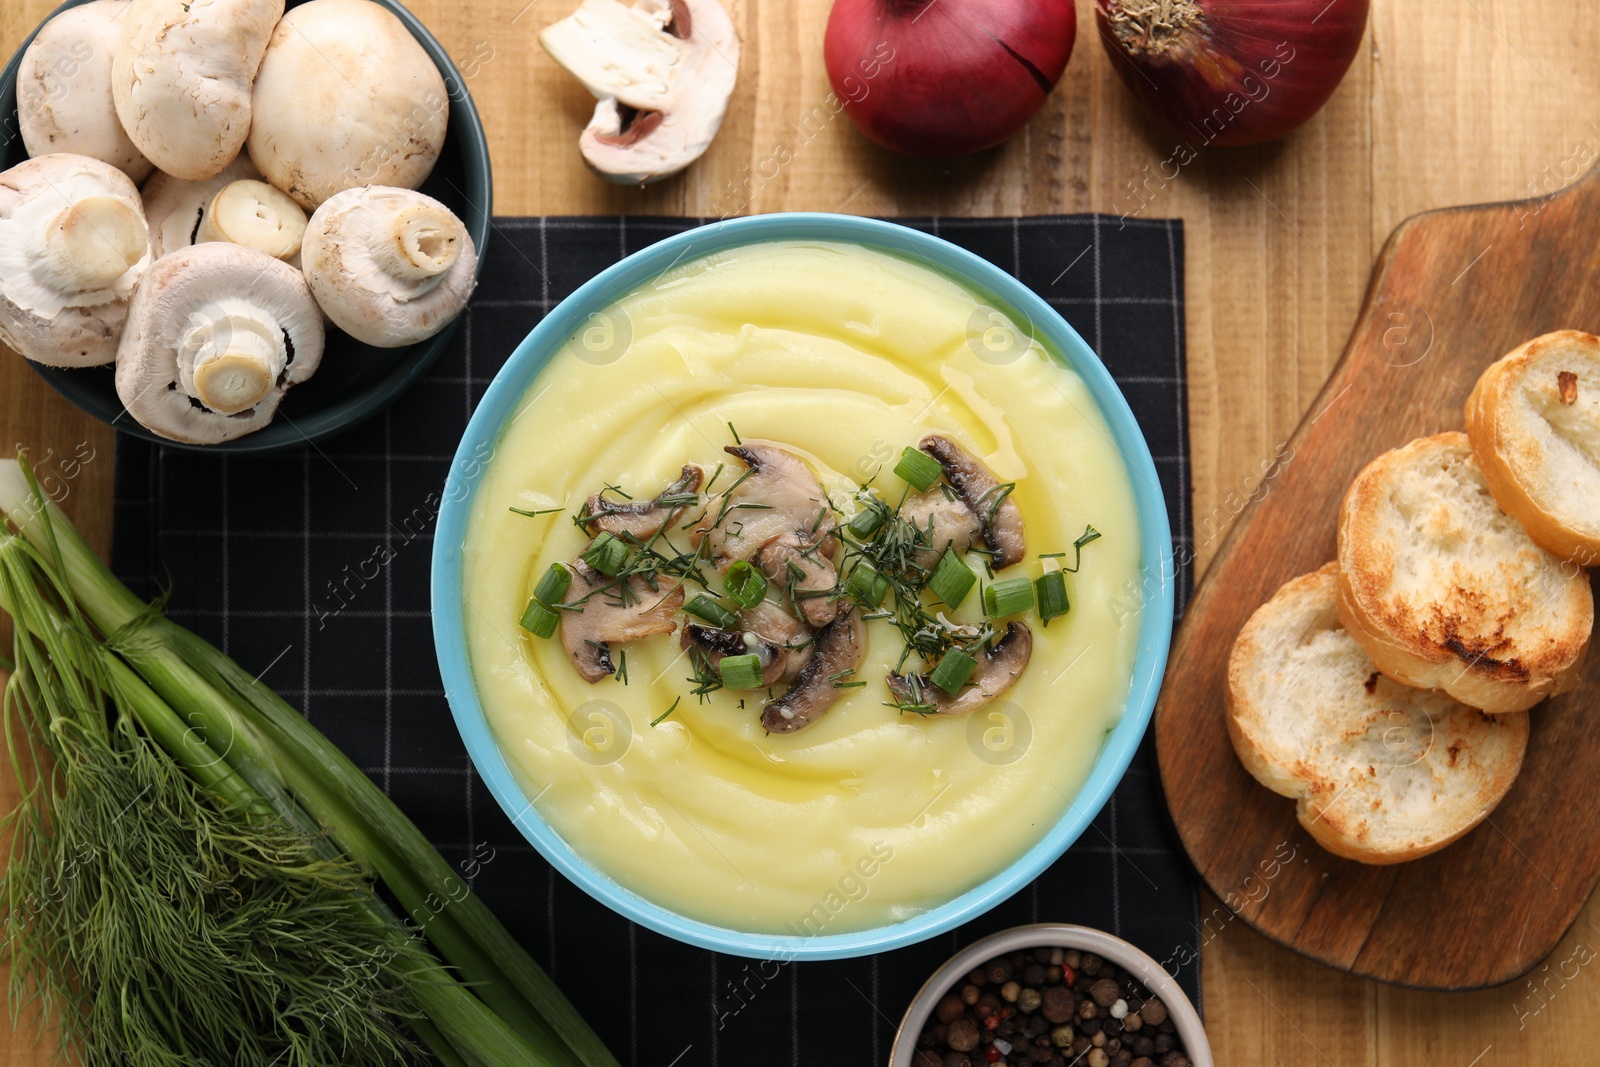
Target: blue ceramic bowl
(500,404)
(355,381)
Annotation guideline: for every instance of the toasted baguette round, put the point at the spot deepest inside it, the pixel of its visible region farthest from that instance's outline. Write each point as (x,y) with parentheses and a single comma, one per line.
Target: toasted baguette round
(1534,421)
(1382,773)
(1446,591)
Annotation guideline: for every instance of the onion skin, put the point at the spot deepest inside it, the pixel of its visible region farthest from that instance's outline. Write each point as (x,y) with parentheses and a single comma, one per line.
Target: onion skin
(1232,72)
(940,78)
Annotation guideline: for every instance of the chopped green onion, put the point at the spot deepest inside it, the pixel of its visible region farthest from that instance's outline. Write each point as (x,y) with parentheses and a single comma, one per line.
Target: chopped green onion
(607,555)
(953,671)
(1009,597)
(703,607)
(741,672)
(918,468)
(866,585)
(539,620)
(745,585)
(1053,601)
(866,522)
(952,580)
(553,586)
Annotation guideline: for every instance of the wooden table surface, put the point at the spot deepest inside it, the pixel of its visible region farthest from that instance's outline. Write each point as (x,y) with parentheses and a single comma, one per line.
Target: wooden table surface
(1449,102)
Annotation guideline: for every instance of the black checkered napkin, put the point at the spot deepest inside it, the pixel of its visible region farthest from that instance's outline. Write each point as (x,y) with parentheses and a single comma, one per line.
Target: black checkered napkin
(312,568)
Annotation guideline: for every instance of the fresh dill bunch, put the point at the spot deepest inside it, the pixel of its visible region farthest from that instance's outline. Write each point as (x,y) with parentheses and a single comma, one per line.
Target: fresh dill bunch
(158,923)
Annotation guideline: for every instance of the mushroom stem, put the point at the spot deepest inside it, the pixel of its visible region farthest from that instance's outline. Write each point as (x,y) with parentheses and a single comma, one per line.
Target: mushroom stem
(93,243)
(230,357)
(254,214)
(424,242)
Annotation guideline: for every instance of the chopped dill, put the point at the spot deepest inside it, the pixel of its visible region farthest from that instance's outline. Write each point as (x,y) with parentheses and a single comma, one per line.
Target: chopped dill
(662,717)
(1089,536)
(536,514)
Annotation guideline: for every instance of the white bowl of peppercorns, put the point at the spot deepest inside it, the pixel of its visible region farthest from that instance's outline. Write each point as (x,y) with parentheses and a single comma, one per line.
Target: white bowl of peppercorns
(1051,995)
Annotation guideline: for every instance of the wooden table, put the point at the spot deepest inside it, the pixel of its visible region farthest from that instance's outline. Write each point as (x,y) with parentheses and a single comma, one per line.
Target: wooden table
(1451,102)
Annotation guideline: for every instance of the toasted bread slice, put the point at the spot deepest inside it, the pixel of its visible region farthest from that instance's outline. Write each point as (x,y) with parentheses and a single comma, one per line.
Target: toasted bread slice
(1382,772)
(1446,591)
(1534,421)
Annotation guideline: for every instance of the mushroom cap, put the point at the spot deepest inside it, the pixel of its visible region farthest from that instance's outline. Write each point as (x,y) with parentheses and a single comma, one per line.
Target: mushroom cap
(181,79)
(38,319)
(175,208)
(343,258)
(346,97)
(985,497)
(662,71)
(172,301)
(64,89)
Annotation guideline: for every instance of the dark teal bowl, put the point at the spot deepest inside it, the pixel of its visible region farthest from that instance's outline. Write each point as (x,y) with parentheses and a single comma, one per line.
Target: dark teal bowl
(355,381)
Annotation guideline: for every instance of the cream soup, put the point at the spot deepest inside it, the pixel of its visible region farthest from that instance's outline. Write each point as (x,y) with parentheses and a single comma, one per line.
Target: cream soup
(846,356)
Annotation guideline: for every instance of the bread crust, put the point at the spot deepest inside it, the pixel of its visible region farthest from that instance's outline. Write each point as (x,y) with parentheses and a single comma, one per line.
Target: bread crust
(1528,463)
(1311,718)
(1443,590)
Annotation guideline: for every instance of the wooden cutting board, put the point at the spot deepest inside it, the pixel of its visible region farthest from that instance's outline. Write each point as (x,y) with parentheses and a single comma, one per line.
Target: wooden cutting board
(1451,292)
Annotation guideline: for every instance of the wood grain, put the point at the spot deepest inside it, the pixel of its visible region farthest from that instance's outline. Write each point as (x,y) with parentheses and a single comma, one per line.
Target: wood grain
(1436,315)
(1442,108)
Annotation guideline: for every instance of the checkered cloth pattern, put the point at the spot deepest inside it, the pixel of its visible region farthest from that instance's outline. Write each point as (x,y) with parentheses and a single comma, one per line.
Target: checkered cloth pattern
(253,548)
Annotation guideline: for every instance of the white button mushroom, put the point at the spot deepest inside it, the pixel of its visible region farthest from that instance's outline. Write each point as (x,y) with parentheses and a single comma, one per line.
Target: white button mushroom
(663,71)
(216,335)
(181,79)
(73,245)
(255,215)
(391,267)
(346,97)
(176,209)
(64,89)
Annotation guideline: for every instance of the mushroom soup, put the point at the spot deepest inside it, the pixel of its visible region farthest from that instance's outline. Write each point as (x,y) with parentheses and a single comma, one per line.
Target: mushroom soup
(771,376)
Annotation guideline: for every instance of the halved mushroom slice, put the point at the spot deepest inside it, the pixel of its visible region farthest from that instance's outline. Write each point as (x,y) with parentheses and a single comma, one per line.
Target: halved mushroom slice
(216,335)
(643,519)
(615,613)
(982,492)
(805,573)
(837,650)
(716,645)
(777,626)
(948,523)
(998,670)
(777,515)
(73,246)
(779,495)
(662,70)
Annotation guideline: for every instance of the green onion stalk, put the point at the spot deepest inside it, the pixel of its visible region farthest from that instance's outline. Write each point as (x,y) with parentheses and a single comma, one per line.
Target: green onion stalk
(261,762)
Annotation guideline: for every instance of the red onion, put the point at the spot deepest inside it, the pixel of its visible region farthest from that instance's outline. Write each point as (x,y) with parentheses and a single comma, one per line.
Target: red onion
(946,77)
(1232,72)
